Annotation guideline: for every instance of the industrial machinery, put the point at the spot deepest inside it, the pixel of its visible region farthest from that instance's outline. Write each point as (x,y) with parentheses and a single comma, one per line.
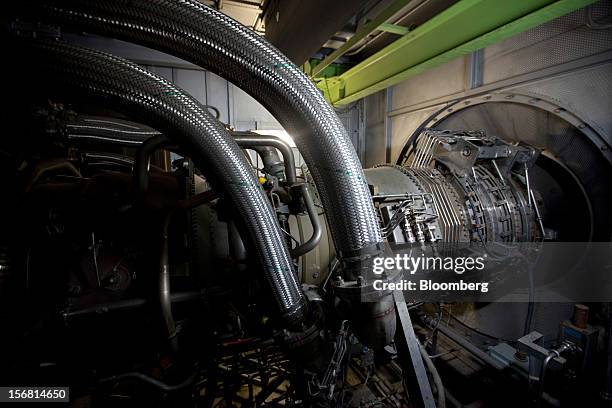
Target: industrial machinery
(146,260)
(479,191)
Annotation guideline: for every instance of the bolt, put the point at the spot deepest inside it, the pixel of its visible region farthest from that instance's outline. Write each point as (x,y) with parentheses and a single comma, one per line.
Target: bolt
(520,356)
(466,152)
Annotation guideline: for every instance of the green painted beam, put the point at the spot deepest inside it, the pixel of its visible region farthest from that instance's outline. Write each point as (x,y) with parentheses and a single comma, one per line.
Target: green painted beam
(393,29)
(365,30)
(461,29)
(329,71)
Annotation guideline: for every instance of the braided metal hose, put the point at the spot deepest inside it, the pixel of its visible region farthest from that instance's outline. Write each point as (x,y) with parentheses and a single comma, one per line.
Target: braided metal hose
(127,87)
(192,31)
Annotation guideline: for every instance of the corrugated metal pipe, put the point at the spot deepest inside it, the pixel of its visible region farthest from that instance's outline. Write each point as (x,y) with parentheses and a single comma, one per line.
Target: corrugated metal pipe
(208,38)
(65,69)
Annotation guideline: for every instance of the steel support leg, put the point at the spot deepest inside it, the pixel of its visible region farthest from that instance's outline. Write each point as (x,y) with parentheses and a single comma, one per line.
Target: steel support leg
(415,375)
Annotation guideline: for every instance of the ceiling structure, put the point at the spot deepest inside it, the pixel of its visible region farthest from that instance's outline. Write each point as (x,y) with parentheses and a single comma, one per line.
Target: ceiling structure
(246,12)
(300,28)
(354,48)
(315,28)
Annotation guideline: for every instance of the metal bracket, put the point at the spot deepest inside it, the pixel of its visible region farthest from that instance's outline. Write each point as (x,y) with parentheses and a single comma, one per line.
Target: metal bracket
(529,344)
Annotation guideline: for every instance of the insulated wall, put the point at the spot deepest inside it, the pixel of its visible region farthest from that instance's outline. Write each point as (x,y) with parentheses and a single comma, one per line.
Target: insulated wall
(565,62)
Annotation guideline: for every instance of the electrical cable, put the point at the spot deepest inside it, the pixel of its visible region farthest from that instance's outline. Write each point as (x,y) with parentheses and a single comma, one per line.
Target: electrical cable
(477,331)
(441,400)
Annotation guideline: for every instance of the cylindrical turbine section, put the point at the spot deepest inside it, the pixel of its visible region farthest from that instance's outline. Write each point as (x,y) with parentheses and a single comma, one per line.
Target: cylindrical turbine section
(459,187)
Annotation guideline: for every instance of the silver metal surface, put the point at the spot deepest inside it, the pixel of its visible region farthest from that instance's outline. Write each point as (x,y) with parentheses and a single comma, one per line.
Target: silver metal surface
(467,177)
(212,40)
(130,88)
(556,42)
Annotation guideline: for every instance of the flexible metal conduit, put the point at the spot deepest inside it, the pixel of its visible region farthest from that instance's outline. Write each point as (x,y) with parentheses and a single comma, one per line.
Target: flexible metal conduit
(206,37)
(127,87)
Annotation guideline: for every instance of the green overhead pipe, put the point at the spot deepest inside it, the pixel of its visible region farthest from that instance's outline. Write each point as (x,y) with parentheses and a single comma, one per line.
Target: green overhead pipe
(463,28)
